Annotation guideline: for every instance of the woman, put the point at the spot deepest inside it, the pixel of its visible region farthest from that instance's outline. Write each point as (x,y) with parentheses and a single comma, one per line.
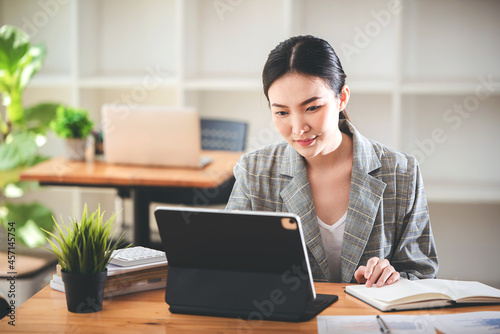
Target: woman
(362,204)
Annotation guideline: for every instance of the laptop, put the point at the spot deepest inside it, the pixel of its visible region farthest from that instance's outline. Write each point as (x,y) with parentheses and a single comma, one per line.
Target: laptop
(152,136)
(241,264)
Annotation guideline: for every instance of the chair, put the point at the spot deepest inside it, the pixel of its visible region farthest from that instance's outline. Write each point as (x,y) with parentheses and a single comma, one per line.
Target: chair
(223,135)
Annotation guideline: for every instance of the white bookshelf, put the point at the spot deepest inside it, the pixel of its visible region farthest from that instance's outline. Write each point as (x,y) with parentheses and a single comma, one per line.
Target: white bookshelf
(410,67)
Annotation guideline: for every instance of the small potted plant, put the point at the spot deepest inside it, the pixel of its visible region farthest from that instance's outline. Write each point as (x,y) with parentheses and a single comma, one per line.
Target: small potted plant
(84,250)
(74,125)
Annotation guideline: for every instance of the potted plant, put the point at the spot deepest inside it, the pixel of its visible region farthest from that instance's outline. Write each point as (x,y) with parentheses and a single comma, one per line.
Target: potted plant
(84,250)
(74,125)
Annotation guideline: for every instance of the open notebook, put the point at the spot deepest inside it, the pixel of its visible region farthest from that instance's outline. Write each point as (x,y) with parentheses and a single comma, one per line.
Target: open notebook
(246,264)
(426,293)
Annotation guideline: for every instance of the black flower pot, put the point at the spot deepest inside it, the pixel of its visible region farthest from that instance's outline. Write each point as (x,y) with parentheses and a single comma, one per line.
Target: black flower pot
(84,292)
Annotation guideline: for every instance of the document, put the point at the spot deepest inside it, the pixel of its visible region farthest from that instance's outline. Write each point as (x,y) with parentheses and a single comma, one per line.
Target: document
(368,324)
(426,293)
(472,322)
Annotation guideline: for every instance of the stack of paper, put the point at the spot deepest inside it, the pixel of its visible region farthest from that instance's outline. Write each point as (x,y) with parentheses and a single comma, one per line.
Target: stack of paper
(123,280)
(457,323)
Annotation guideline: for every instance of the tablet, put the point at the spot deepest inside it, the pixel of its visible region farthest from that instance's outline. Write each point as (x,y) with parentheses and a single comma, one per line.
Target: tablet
(247,264)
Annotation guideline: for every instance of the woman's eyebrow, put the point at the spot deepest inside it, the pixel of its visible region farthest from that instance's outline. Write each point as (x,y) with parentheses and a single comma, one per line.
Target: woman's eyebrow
(302,104)
(278,105)
(310,100)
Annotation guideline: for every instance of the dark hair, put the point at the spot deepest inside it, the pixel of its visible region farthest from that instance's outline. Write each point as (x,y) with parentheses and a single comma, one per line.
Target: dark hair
(307,55)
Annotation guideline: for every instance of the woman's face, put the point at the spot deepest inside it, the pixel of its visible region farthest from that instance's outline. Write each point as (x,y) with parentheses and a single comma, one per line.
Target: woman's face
(305,112)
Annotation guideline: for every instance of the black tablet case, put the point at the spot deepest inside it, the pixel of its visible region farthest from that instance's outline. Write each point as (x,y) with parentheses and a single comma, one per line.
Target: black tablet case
(237,264)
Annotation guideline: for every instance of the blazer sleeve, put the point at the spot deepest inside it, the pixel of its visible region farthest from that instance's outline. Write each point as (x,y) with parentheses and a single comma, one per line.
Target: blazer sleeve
(240,195)
(415,256)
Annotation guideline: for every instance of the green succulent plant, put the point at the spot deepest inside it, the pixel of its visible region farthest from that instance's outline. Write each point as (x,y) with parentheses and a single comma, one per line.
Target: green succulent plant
(84,246)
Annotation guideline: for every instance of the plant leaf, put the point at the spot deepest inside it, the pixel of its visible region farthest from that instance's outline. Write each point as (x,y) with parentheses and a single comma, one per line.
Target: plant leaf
(31,234)
(38,117)
(33,62)
(31,213)
(14,44)
(21,213)
(9,176)
(17,151)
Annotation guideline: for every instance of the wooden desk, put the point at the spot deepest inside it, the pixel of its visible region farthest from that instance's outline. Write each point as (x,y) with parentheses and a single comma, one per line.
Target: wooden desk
(209,185)
(147,312)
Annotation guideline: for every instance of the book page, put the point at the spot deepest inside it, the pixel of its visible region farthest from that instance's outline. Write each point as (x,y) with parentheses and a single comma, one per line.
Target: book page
(402,290)
(462,289)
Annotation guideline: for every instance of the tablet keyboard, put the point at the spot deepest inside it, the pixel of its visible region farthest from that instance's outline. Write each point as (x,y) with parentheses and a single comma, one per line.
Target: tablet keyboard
(316,306)
(137,255)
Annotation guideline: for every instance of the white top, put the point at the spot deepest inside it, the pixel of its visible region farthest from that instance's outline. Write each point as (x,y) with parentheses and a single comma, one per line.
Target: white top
(332,236)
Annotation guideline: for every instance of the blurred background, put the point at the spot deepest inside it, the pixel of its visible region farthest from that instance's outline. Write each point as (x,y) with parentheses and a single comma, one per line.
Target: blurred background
(424,78)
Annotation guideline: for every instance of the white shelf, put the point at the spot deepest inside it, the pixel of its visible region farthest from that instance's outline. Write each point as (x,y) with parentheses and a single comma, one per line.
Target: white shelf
(406,67)
(451,40)
(48,80)
(344,25)
(223,84)
(482,85)
(127,81)
(371,86)
(462,193)
(234,41)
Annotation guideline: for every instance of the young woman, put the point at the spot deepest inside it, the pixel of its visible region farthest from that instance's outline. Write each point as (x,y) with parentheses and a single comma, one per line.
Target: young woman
(362,204)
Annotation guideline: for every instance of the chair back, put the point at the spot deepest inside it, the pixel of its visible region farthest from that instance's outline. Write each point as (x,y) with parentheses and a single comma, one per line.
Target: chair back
(223,135)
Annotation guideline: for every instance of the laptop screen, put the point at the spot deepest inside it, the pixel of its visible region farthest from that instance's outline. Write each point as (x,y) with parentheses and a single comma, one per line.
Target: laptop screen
(151,135)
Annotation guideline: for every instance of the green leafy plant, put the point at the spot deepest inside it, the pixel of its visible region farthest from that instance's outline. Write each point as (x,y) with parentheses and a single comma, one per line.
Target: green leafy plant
(84,246)
(19,61)
(22,133)
(71,122)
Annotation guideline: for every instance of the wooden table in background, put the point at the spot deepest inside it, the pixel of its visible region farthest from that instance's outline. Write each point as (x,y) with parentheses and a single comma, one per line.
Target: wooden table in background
(209,185)
(147,312)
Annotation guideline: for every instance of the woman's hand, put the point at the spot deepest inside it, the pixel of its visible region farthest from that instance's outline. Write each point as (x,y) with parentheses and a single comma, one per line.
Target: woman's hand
(377,272)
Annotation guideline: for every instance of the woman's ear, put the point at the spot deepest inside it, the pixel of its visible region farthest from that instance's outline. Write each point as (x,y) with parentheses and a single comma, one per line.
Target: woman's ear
(344,97)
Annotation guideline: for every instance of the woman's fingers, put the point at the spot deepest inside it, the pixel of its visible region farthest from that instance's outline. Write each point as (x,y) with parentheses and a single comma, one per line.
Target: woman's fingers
(376,271)
(384,275)
(379,272)
(359,275)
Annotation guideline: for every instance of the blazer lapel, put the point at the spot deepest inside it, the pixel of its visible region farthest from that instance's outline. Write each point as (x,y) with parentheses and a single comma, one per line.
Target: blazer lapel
(364,201)
(297,197)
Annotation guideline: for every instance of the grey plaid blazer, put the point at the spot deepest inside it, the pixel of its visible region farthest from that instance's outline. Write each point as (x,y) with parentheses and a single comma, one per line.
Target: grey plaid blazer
(387,215)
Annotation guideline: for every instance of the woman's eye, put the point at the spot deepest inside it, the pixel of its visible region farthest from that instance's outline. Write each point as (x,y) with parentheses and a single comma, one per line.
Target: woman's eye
(312,108)
(281,113)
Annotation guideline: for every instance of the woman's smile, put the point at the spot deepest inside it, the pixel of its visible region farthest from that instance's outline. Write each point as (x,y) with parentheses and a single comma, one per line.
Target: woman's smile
(306,142)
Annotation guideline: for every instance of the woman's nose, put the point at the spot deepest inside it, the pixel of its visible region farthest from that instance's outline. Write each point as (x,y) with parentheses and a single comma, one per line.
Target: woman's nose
(299,125)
